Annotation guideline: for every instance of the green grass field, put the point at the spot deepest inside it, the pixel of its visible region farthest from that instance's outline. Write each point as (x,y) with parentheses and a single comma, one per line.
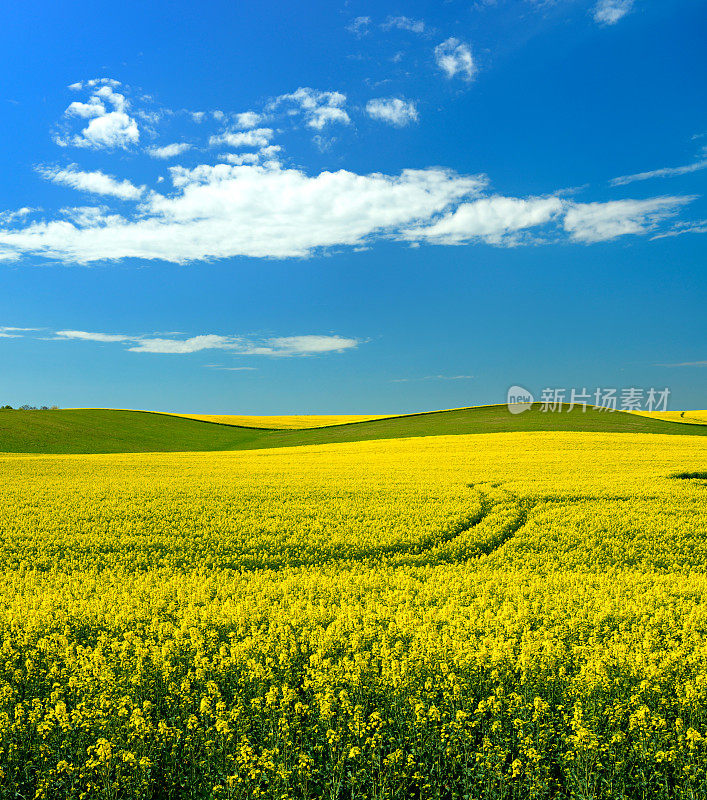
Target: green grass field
(111,431)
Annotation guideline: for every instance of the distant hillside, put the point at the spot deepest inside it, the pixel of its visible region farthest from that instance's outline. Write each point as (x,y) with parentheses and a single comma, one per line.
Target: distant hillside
(108,431)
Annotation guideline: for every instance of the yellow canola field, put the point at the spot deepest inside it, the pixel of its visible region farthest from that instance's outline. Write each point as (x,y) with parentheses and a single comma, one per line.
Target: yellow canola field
(694,417)
(516,615)
(288,422)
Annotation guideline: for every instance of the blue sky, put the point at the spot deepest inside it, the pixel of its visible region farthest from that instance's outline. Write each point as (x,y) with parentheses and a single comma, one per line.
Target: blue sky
(320,207)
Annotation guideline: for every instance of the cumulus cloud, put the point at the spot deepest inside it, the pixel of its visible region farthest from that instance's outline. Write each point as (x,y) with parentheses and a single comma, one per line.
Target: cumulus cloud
(86,110)
(267,211)
(241,158)
(319,108)
(109,129)
(609,12)
(392,110)
(259,137)
(665,172)
(94,182)
(112,130)
(306,345)
(404,24)
(168,150)
(260,211)
(600,222)
(248,119)
(490,219)
(454,58)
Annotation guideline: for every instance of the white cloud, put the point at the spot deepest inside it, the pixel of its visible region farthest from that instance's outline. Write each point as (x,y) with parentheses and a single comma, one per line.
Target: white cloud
(231,369)
(600,222)
(491,219)
(609,12)
(259,211)
(94,337)
(86,110)
(12,216)
(106,129)
(93,182)
(267,211)
(112,130)
(434,378)
(404,24)
(243,158)
(248,119)
(260,137)
(679,228)
(685,364)
(359,26)
(169,150)
(10,332)
(392,110)
(116,99)
(193,344)
(665,172)
(307,345)
(319,108)
(454,59)
(12,328)
(302,346)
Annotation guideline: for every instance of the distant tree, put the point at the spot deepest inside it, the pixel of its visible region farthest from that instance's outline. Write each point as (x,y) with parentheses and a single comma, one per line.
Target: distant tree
(27,407)
(53,408)
(5,408)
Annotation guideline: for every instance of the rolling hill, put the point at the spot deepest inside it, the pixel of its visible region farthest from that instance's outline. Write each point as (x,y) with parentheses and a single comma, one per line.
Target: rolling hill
(113,431)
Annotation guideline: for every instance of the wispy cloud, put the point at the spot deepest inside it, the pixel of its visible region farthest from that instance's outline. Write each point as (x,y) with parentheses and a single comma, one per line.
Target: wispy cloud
(434,378)
(404,24)
(168,150)
(393,110)
(259,137)
(454,58)
(685,364)
(280,346)
(609,12)
(93,182)
(359,26)
(680,228)
(665,172)
(87,336)
(491,219)
(600,222)
(10,332)
(231,369)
